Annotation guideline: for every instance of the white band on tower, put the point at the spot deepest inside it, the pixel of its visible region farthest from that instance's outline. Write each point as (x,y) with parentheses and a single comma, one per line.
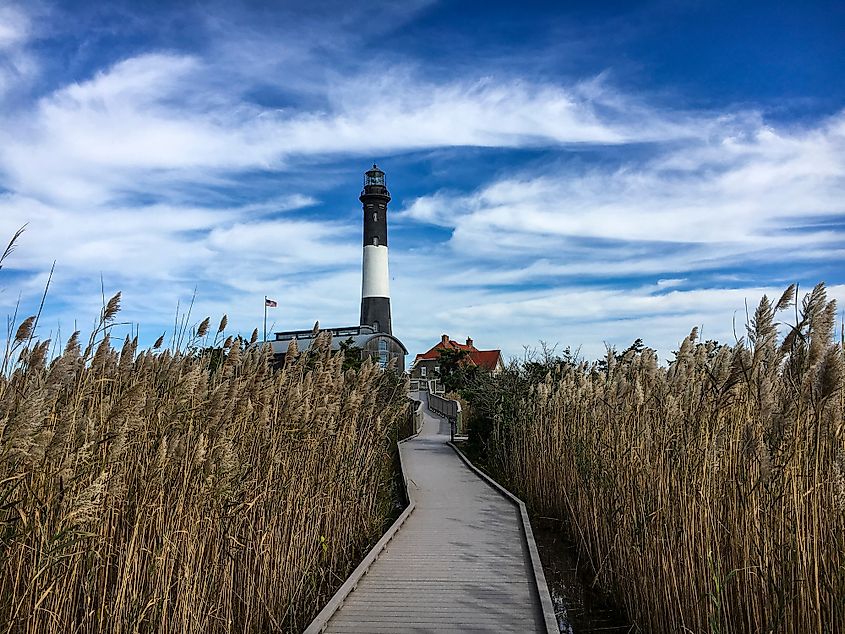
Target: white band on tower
(376,278)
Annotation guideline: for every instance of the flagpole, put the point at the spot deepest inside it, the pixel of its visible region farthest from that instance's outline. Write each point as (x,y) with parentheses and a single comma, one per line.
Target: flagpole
(265,318)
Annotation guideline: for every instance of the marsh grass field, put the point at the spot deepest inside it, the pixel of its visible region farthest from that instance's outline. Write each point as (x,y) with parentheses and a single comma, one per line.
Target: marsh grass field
(706,495)
(185,490)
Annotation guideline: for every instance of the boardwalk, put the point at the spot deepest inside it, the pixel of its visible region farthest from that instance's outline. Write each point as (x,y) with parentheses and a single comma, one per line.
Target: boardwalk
(460,563)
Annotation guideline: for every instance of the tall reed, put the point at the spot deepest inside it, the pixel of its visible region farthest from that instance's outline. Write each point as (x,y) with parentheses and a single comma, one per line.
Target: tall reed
(186,490)
(709,495)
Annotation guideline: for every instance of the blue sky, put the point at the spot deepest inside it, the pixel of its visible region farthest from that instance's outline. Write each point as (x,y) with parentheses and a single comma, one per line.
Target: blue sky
(580,173)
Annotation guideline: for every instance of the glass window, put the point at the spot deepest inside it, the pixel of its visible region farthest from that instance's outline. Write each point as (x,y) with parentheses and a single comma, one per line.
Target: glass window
(375,216)
(382,353)
(375,241)
(374,177)
(422,371)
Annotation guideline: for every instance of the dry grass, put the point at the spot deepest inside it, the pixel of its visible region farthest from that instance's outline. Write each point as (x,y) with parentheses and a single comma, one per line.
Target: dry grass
(185,491)
(710,495)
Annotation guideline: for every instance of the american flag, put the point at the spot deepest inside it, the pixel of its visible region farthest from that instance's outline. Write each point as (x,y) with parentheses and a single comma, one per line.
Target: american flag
(270,302)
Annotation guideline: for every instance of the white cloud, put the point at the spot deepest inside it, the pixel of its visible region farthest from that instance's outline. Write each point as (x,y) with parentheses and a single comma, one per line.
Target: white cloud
(718,203)
(167,244)
(14,27)
(579,317)
(162,111)
(113,133)
(17,66)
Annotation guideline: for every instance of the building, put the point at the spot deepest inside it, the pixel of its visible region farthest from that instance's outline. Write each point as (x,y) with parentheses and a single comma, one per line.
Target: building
(382,347)
(374,334)
(425,371)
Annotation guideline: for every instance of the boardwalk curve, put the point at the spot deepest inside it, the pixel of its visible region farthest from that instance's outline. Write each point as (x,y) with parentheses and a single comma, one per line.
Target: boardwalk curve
(463,560)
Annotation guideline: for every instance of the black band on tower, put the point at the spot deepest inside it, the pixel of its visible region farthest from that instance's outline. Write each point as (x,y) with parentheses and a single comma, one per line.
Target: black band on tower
(375,312)
(375,219)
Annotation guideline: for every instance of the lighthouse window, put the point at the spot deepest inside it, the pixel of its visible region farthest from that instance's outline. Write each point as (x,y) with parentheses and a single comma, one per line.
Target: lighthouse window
(375,216)
(375,241)
(381,206)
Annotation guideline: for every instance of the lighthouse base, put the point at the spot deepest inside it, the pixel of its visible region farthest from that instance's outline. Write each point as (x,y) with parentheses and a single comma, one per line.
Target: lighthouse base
(375,312)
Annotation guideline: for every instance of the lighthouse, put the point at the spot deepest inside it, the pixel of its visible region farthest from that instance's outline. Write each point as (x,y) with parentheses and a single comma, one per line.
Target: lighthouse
(373,337)
(375,287)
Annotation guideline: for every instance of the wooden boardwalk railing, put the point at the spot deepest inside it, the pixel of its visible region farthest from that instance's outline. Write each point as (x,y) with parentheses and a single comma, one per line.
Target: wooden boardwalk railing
(462,559)
(449,409)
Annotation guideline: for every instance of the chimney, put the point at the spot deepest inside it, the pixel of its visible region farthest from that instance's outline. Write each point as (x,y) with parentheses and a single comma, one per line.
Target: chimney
(469,342)
(444,340)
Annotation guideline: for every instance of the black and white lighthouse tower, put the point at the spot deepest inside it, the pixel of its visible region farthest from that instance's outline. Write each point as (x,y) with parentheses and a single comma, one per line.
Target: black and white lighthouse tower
(374,335)
(375,287)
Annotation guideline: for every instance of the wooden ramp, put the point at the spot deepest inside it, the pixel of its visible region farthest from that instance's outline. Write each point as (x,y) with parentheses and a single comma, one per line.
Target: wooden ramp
(461,562)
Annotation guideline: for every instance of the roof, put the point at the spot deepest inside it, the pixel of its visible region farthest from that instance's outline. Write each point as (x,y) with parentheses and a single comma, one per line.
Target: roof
(487,359)
(343,331)
(305,338)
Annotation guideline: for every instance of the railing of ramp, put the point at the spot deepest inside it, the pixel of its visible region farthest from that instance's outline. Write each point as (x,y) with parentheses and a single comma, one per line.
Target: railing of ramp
(413,418)
(449,408)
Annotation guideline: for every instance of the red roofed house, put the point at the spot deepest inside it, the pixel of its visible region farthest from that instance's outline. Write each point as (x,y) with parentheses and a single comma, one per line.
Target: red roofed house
(425,370)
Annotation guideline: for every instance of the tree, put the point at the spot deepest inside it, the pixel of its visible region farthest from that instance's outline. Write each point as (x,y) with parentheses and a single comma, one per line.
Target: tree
(453,368)
(351,355)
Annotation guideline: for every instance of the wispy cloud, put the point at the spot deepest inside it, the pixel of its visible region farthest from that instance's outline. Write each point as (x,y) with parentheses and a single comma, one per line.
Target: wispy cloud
(17,66)
(137,115)
(583,317)
(14,28)
(720,202)
(121,129)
